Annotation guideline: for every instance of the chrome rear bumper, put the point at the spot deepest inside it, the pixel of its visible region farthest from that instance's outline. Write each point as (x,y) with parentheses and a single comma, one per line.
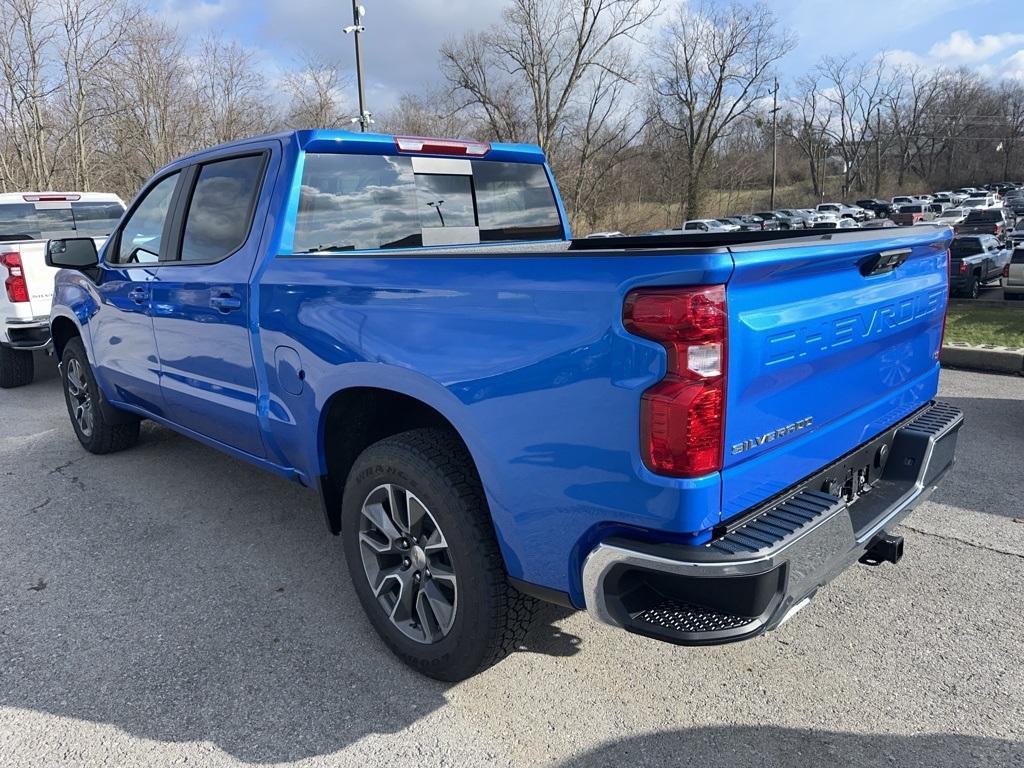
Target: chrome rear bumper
(762,567)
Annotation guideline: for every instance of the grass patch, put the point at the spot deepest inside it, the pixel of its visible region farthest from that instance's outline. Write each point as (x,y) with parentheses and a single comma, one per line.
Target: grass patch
(976,323)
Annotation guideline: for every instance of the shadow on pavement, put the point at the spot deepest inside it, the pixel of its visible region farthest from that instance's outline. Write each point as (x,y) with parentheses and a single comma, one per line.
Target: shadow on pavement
(181,595)
(766,747)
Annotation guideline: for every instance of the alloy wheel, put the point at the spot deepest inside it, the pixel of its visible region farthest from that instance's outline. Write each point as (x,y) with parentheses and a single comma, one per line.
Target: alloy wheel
(81,401)
(407,563)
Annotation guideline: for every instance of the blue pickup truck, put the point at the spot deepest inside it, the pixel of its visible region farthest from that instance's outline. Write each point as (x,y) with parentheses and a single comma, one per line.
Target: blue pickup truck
(685,435)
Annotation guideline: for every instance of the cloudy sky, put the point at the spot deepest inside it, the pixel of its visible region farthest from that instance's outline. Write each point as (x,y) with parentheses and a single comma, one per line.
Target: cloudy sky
(403,36)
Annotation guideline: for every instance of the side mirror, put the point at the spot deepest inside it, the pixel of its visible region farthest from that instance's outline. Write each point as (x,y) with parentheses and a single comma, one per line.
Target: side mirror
(72,253)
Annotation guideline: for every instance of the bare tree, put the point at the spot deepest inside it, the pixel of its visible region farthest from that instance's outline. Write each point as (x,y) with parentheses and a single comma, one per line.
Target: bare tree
(911,100)
(429,112)
(231,89)
(314,90)
(855,92)
(711,64)
(26,32)
(526,76)
(1011,95)
(92,32)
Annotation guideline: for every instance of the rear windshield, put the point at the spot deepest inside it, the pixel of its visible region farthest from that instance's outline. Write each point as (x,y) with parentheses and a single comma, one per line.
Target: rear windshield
(986,214)
(1018,256)
(355,202)
(967,246)
(912,209)
(31,221)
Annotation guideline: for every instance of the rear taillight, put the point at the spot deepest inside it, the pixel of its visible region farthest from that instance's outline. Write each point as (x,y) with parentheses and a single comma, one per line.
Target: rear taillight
(17,289)
(1006,270)
(964,267)
(995,229)
(682,417)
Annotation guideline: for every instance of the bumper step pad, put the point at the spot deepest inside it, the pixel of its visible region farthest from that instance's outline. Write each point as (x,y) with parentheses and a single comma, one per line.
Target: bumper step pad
(684,617)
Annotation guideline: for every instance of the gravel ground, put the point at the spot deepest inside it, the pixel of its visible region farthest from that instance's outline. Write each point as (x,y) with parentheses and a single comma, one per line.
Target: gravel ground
(173,606)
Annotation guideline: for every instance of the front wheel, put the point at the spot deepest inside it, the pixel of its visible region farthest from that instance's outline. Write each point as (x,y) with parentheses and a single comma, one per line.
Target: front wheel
(16,367)
(423,557)
(88,411)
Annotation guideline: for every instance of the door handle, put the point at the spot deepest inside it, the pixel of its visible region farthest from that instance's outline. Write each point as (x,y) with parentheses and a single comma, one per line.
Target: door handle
(226,302)
(138,295)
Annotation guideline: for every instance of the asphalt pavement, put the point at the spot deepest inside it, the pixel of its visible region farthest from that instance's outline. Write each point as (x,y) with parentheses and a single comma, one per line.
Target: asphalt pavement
(173,606)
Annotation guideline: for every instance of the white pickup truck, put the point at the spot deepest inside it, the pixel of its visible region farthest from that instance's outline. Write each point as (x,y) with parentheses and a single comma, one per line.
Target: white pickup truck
(27,221)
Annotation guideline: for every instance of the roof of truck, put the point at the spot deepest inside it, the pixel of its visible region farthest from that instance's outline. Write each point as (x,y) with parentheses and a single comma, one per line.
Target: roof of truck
(353,142)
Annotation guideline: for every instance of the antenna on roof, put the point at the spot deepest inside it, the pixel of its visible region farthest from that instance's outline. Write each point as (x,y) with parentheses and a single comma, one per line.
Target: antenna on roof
(357,29)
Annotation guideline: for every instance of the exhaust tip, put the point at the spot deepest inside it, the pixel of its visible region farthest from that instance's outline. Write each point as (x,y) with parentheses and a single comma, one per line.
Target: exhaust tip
(884,548)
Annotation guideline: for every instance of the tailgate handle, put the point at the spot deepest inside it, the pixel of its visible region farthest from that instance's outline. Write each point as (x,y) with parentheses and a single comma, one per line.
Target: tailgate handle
(884,262)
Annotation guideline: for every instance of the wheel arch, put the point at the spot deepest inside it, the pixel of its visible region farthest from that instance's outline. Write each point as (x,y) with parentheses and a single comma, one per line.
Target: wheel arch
(62,330)
(358,416)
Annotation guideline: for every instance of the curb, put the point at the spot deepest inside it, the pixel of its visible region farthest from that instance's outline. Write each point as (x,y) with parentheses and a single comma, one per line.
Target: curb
(985,358)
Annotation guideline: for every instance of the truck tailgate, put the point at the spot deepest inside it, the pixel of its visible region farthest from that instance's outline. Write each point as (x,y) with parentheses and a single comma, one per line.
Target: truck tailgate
(824,352)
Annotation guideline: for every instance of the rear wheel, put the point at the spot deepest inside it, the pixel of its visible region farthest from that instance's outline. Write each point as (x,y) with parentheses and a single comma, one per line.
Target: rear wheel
(973,288)
(16,367)
(96,431)
(424,560)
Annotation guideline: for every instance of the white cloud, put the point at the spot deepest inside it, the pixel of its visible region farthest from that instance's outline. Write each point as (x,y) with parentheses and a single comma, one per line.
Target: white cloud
(192,14)
(1013,67)
(963,48)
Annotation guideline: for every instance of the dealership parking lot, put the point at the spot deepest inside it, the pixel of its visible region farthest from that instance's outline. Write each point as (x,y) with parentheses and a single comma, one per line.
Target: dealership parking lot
(171,605)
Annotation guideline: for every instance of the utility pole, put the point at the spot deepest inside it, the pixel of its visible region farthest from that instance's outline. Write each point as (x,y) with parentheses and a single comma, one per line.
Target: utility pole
(357,30)
(775,140)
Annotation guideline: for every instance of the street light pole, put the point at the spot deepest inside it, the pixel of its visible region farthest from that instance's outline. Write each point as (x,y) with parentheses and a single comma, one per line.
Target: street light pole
(775,140)
(357,30)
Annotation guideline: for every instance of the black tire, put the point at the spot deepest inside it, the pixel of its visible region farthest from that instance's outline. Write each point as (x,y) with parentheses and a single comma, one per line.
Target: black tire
(100,433)
(16,368)
(490,618)
(973,288)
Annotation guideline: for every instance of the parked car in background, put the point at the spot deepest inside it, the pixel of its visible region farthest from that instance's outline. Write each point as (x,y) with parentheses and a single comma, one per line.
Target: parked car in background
(881,208)
(782,220)
(831,221)
(951,216)
(612,233)
(704,225)
(989,221)
(756,221)
(975,260)
(1017,233)
(795,213)
(687,437)
(860,214)
(1015,202)
(842,210)
(979,201)
(912,214)
(27,220)
(904,200)
(1013,275)
(740,224)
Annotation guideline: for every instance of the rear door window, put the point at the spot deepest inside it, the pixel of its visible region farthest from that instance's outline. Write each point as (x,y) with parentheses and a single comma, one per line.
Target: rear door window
(220,212)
